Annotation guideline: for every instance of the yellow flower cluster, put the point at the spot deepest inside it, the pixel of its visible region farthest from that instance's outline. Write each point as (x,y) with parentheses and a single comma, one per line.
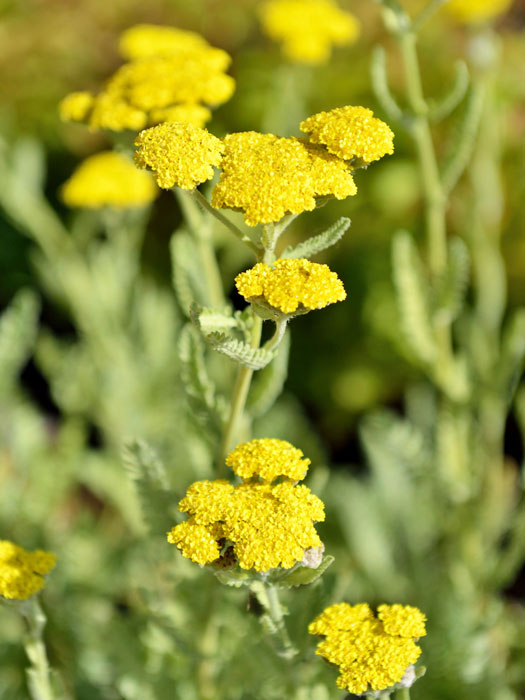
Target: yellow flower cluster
(179,154)
(267,177)
(373,653)
(350,132)
(258,525)
(308,28)
(21,572)
(108,179)
(472,11)
(291,285)
(174,75)
(145,40)
(268,459)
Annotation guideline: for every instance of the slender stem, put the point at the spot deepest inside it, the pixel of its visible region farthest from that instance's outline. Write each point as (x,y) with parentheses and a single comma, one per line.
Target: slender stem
(275,612)
(239,396)
(39,672)
(201,199)
(433,189)
(275,340)
(423,17)
(403,694)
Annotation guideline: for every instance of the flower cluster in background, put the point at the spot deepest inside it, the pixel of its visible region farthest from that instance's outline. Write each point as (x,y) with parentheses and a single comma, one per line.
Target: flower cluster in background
(22,573)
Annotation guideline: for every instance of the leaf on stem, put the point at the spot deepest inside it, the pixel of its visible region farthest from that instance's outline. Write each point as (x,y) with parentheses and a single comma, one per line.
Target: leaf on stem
(451,287)
(380,85)
(149,475)
(413,297)
(18,329)
(440,109)
(304,575)
(321,242)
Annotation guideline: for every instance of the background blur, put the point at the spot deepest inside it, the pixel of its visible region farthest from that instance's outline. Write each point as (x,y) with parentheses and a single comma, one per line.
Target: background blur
(61,440)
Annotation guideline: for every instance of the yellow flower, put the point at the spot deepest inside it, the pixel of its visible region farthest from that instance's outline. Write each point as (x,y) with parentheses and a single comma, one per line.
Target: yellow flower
(267,177)
(179,154)
(173,76)
(472,11)
(108,179)
(75,106)
(144,40)
(291,285)
(268,458)
(350,132)
(373,653)
(308,28)
(22,573)
(190,113)
(255,525)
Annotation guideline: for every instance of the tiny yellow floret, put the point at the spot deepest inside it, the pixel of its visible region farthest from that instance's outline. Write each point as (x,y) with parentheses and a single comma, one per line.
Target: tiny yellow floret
(22,573)
(144,40)
(75,106)
(179,154)
(308,29)
(108,179)
(474,11)
(291,285)
(350,132)
(269,459)
(255,525)
(373,653)
(266,177)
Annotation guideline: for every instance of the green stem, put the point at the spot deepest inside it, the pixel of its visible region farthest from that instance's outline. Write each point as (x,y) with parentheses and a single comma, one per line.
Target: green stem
(202,234)
(276,615)
(239,396)
(201,199)
(423,17)
(403,694)
(39,672)
(435,200)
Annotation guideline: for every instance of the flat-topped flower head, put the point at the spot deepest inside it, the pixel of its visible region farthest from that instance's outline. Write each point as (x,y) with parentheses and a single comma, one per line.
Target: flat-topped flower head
(22,573)
(144,40)
(179,154)
(266,177)
(308,29)
(174,76)
(350,133)
(290,286)
(475,11)
(261,526)
(268,459)
(108,179)
(373,653)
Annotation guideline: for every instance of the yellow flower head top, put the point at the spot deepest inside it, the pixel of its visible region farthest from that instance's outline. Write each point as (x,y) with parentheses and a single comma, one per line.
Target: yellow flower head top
(179,154)
(256,525)
(174,76)
(22,573)
(266,177)
(268,459)
(144,40)
(473,11)
(291,285)
(308,28)
(108,179)
(351,132)
(373,653)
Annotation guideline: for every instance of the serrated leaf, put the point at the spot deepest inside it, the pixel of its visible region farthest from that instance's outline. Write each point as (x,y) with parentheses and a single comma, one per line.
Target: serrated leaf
(321,242)
(451,287)
(211,320)
(200,389)
(304,575)
(187,277)
(239,351)
(149,475)
(234,578)
(413,297)
(18,328)
(268,384)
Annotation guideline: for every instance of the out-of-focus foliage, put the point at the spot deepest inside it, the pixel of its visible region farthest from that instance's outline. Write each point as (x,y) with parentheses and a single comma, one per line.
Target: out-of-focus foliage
(97,352)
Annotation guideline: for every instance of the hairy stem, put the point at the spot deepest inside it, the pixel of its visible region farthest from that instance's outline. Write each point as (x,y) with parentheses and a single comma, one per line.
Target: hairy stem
(39,672)
(201,199)
(276,614)
(239,396)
